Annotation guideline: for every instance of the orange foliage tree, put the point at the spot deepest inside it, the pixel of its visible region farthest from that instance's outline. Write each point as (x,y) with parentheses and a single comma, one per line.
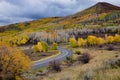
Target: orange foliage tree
(12,62)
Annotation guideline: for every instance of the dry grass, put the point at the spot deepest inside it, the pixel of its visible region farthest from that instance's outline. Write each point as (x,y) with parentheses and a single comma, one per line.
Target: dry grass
(79,72)
(40,55)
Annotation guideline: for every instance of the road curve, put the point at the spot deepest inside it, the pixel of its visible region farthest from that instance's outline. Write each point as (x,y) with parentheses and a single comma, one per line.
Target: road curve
(64,53)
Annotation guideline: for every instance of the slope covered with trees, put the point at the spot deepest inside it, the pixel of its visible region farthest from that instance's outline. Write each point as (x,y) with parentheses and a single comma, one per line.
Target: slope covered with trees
(98,14)
(57,29)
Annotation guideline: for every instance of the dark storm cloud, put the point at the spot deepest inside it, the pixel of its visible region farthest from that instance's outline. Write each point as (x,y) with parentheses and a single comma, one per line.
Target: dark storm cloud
(12,11)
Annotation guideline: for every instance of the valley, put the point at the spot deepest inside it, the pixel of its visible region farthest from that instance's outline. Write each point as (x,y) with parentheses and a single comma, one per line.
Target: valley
(80,46)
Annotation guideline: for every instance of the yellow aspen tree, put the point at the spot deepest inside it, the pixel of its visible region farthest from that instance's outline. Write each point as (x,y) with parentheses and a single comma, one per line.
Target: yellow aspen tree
(109,39)
(91,40)
(81,42)
(73,42)
(35,48)
(54,46)
(40,47)
(117,38)
(100,41)
(44,46)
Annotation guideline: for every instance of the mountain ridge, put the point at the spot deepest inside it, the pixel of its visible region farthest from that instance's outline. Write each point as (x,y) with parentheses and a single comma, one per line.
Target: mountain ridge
(99,13)
(95,12)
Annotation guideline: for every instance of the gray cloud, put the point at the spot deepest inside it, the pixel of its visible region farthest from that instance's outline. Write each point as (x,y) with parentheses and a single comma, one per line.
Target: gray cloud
(13,11)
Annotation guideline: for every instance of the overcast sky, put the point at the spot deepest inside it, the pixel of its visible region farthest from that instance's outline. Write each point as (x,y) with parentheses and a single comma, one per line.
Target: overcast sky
(13,11)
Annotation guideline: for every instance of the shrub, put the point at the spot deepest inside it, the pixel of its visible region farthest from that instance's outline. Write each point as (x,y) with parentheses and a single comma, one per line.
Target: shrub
(100,41)
(55,65)
(35,48)
(109,39)
(54,46)
(88,75)
(73,42)
(45,46)
(70,60)
(12,62)
(77,52)
(110,47)
(117,38)
(81,42)
(84,58)
(41,47)
(19,39)
(115,63)
(91,40)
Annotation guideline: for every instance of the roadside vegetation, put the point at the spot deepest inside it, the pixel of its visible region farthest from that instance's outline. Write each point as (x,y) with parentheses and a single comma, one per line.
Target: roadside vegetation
(13,63)
(40,50)
(93,63)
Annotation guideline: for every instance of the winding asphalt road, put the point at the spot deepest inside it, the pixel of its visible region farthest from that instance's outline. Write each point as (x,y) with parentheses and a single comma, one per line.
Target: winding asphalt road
(64,53)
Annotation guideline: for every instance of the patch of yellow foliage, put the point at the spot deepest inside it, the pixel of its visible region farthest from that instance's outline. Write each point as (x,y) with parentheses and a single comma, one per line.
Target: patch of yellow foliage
(12,61)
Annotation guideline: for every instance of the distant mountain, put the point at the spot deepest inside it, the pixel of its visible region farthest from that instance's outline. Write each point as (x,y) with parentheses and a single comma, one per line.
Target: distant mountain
(99,14)
(101,7)
(31,25)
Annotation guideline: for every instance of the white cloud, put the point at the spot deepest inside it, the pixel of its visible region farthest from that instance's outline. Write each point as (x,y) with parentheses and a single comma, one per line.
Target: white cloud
(7,9)
(9,20)
(18,10)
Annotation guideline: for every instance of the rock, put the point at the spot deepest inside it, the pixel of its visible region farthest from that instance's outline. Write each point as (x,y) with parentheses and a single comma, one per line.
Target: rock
(42,73)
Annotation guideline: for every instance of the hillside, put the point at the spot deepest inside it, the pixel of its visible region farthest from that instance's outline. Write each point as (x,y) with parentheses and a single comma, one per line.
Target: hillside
(28,25)
(99,8)
(97,14)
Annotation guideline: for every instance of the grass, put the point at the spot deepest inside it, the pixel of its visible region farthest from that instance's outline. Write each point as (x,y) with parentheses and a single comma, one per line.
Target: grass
(38,56)
(94,70)
(110,74)
(49,57)
(40,69)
